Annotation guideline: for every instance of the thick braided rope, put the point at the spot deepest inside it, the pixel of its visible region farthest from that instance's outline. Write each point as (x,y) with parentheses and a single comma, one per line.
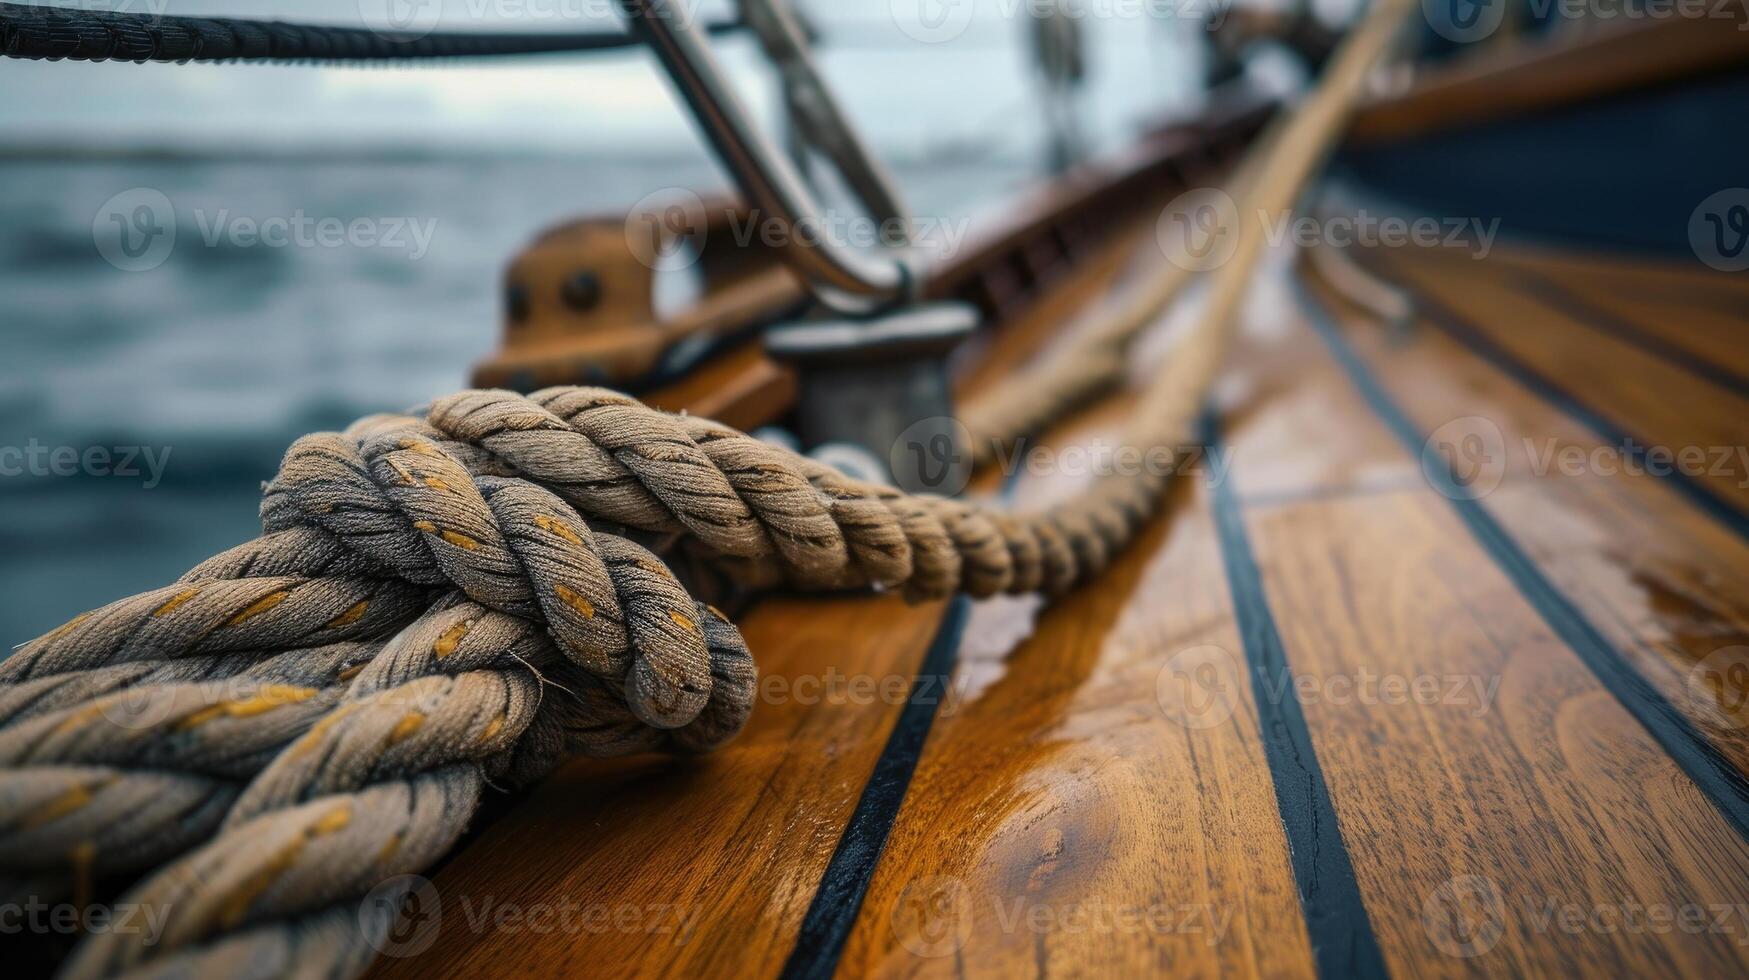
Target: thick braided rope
(415,729)
(457,687)
(397,502)
(376,786)
(101,759)
(399,506)
(778,512)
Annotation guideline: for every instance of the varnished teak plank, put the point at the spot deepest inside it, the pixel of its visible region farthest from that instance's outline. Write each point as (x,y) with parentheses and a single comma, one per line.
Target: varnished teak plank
(1657,402)
(732,846)
(1489,789)
(1077,811)
(1668,586)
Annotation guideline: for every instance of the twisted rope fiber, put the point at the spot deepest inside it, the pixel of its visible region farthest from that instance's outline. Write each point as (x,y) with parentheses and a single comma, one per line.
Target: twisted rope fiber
(424,717)
(381,517)
(39,32)
(1093,361)
(84,766)
(416,622)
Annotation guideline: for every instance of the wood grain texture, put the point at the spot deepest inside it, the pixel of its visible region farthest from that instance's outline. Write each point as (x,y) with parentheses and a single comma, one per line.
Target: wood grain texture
(725,851)
(1670,280)
(1474,819)
(743,388)
(1694,325)
(1076,813)
(1666,585)
(1470,812)
(1078,810)
(731,845)
(1656,401)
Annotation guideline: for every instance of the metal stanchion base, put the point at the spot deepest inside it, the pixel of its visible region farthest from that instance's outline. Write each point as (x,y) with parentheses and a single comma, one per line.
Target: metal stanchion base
(882,385)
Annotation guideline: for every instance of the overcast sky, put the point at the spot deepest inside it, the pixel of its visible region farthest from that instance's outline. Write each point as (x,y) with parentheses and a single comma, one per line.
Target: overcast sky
(971,80)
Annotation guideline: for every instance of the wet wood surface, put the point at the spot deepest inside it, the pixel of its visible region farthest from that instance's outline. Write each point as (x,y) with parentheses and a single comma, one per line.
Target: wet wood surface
(1622,546)
(1487,783)
(1098,792)
(1082,809)
(1659,403)
(734,844)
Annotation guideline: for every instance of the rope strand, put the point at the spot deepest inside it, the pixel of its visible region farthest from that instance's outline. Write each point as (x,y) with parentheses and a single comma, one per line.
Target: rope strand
(429,610)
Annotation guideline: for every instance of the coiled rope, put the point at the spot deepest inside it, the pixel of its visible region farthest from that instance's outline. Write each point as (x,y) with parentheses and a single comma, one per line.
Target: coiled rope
(443,602)
(39,32)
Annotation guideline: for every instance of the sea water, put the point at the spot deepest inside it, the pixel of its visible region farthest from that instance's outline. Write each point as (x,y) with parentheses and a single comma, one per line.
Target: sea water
(141,408)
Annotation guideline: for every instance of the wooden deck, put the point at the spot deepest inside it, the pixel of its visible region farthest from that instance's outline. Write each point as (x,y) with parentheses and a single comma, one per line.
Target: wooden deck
(1352,706)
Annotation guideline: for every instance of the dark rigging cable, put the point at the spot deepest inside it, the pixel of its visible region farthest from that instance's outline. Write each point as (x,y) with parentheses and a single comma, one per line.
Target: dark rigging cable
(58,33)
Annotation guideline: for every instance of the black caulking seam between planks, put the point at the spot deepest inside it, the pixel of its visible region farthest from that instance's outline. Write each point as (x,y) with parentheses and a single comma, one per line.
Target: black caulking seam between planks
(838,900)
(1709,769)
(1593,317)
(1343,943)
(1432,311)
